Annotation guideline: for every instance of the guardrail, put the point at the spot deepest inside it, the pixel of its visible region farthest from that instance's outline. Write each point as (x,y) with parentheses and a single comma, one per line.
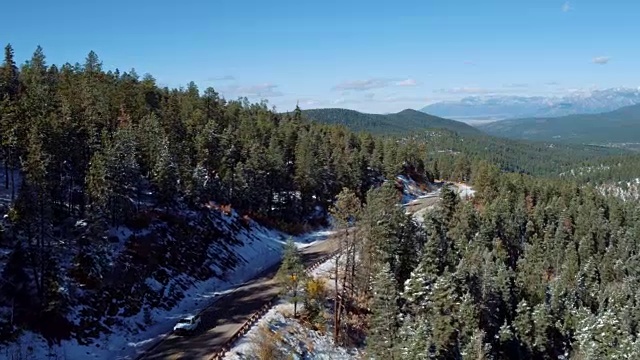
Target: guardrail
(244,329)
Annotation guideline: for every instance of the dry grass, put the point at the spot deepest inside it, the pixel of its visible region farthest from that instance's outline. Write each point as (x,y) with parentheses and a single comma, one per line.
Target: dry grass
(265,345)
(287,313)
(308,343)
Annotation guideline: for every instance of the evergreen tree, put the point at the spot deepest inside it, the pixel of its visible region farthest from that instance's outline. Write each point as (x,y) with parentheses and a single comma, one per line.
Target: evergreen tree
(449,203)
(9,115)
(291,274)
(416,342)
(165,174)
(477,348)
(383,331)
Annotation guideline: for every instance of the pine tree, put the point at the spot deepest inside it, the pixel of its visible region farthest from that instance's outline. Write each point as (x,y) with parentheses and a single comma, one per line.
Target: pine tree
(306,169)
(602,337)
(418,287)
(417,343)
(165,175)
(383,331)
(346,212)
(98,186)
(291,274)
(35,219)
(524,325)
(449,202)
(444,316)
(150,138)
(9,112)
(477,348)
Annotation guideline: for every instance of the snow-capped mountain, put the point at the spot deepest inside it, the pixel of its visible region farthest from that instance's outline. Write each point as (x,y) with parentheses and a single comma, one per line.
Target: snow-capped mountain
(487,108)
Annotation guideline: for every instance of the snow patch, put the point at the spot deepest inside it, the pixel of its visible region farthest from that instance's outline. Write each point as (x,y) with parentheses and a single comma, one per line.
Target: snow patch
(411,190)
(464,191)
(257,247)
(296,339)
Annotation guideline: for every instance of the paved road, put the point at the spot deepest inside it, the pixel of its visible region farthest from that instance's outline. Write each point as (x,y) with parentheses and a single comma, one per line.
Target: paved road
(230,312)
(421,203)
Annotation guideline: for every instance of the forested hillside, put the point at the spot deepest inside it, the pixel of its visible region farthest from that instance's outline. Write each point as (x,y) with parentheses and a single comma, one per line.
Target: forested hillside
(528,269)
(448,152)
(108,177)
(617,127)
(120,194)
(406,122)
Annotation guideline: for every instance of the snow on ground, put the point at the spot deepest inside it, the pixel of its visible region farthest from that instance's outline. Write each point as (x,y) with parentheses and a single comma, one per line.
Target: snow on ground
(296,339)
(412,190)
(625,190)
(260,249)
(312,238)
(464,190)
(6,193)
(325,270)
(418,216)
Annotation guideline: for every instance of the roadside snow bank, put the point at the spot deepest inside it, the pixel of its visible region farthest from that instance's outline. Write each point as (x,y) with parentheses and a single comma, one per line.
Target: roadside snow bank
(257,249)
(411,190)
(294,339)
(464,190)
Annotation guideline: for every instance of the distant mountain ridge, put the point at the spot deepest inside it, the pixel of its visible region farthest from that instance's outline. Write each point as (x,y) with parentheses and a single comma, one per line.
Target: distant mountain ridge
(480,108)
(403,122)
(614,127)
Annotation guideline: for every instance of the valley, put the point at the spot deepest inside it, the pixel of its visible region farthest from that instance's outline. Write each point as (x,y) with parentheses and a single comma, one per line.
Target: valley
(620,128)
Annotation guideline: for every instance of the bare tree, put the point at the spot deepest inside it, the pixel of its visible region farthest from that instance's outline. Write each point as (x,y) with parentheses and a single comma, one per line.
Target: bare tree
(345,212)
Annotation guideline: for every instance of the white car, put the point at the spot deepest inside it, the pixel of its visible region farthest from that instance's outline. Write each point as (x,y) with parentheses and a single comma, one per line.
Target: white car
(187,324)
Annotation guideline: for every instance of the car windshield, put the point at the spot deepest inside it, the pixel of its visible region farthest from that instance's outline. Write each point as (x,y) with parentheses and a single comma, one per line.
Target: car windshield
(184,321)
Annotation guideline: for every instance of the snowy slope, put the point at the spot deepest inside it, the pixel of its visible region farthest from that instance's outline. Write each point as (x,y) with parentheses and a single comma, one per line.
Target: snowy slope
(247,248)
(464,191)
(295,339)
(625,190)
(411,190)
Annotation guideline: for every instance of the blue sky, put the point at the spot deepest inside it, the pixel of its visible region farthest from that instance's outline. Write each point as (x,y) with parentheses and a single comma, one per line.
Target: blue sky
(376,56)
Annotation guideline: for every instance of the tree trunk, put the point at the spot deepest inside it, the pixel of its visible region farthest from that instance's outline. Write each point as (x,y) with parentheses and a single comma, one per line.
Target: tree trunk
(13,186)
(295,302)
(336,305)
(6,172)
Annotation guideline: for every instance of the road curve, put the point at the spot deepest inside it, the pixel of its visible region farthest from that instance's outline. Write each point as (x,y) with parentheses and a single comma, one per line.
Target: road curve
(229,312)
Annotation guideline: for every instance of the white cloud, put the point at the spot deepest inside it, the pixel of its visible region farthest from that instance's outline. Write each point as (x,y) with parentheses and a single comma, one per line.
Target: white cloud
(308,102)
(465,90)
(517,85)
(222,78)
(512,88)
(566,7)
(407,82)
(341,101)
(601,60)
(362,85)
(373,83)
(404,99)
(265,90)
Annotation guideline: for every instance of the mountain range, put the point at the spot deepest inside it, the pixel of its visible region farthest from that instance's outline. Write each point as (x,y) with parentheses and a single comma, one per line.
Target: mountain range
(614,127)
(478,109)
(404,122)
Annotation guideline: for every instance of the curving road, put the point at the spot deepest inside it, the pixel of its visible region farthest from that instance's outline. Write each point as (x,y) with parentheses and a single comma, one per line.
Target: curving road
(230,311)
